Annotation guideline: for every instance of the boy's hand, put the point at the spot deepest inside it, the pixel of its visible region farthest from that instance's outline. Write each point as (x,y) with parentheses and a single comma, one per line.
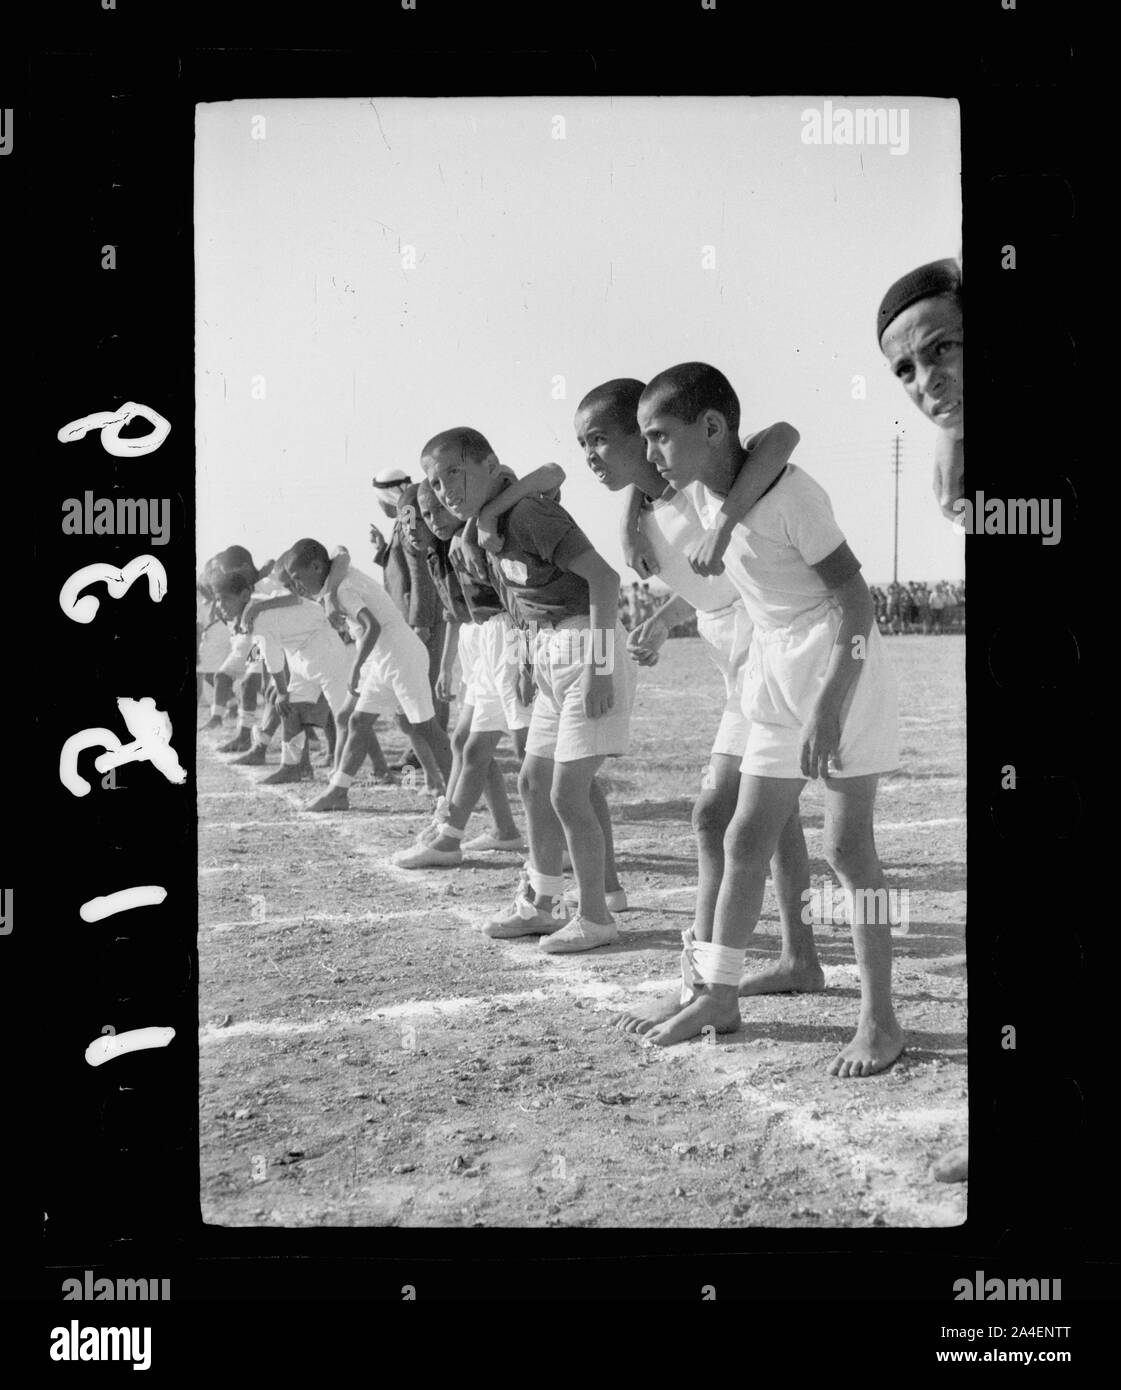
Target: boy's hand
(821,739)
(599,692)
(639,556)
(469,548)
(486,530)
(445,687)
(706,556)
(649,635)
(248,613)
(283,705)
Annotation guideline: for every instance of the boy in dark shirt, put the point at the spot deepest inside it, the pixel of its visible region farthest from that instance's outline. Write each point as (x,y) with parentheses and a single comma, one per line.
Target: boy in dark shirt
(566,598)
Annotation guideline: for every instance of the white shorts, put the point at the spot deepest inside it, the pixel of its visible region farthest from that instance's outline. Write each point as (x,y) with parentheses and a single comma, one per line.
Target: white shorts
(243,659)
(214,647)
(494,651)
(320,666)
(786,669)
(728,634)
(560,729)
(394,679)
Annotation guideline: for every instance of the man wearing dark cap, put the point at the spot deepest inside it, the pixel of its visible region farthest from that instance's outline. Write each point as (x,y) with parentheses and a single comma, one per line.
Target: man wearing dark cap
(919,327)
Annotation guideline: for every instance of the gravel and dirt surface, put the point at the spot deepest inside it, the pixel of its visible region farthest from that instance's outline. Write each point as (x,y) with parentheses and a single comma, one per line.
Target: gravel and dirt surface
(368,1058)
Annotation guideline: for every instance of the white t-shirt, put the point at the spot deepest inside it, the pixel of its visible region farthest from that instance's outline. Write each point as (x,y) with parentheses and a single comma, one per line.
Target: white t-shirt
(357,591)
(770,554)
(290,629)
(670,525)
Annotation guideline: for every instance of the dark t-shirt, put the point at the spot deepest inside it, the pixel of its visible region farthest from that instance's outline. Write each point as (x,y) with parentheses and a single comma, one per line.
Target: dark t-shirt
(446,581)
(531,572)
(480,599)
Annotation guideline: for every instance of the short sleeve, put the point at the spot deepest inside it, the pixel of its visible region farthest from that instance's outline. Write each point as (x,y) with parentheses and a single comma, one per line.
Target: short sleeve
(809,522)
(545,529)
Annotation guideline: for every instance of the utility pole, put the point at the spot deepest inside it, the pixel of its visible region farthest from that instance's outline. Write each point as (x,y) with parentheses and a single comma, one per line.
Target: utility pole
(895,548)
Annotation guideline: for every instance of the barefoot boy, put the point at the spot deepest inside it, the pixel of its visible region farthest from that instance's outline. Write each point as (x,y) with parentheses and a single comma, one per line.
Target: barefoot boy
(607,431)
(567,596)
(820,699)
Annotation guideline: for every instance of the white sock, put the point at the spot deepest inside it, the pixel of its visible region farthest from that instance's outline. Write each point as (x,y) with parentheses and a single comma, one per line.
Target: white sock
(340,779)
(246,718)
(260,738)
(293,749)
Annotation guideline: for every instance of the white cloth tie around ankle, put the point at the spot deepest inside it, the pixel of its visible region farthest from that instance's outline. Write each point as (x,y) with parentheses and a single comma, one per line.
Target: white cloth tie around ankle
(446,828)
(705,963)
(545,885)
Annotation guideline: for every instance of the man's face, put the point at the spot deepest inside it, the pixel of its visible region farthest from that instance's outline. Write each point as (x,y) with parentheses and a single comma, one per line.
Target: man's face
(612,454)
(461,485)
(925,348)
(307,580)
(677,449)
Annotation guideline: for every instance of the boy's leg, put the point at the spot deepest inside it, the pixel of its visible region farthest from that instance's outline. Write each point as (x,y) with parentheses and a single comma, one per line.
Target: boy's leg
(262,735)
(440,847)
(538,907)
(712,970)
(603,816)
(433,750)
(850,848)
(583,829)
(223,689)
(498,804)
(291,767)
(352,746)
(798,969)
(712,814)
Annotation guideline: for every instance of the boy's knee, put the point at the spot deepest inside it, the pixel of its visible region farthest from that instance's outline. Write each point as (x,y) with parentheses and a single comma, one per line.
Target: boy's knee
(570,799)
(534,783)
(712,814)
(849,856)
(459,739)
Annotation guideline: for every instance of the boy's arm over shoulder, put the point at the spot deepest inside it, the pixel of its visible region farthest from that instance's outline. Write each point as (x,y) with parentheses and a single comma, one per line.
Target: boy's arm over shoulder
(767,455)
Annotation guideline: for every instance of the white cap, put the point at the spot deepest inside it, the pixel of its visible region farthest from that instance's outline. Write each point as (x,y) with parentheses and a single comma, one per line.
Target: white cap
(391,477)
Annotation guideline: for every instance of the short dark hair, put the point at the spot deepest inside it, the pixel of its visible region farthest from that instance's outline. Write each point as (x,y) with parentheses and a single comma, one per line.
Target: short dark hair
(619,398)
(304,552)
(692,387)
(232,584)
(470,443)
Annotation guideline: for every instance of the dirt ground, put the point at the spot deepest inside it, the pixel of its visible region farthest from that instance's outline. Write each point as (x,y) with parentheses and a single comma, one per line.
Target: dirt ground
(369,1058)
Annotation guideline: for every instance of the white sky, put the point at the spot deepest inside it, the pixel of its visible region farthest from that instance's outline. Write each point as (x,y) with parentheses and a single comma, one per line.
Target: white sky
(538,258)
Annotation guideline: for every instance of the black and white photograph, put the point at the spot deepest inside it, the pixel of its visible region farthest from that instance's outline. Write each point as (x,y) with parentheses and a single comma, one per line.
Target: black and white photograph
(580,630)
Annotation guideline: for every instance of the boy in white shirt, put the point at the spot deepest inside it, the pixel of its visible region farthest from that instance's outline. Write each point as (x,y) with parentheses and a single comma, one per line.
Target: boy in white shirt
(820,698)
(316,661)
(387,674)
(607,431)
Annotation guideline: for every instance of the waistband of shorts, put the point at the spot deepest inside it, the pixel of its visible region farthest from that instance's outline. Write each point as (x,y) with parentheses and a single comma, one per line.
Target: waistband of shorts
(709,614)
(815,617)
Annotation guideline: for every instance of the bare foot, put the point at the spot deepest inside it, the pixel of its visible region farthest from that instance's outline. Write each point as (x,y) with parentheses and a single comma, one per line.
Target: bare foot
(333,799)
(873,1048)
(785,976)
(953,1166)
(704,1010)
(643,1017)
